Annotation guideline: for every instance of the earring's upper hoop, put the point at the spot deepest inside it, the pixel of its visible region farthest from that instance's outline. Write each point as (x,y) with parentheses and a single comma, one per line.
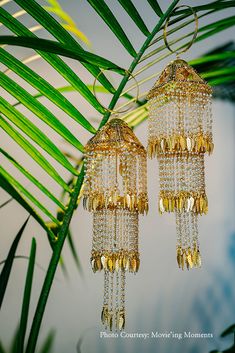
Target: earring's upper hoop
(194,34)
(111,110)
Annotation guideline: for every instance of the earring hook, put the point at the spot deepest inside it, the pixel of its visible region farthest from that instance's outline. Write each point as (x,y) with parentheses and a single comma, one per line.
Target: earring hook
(194,34)
(115,112)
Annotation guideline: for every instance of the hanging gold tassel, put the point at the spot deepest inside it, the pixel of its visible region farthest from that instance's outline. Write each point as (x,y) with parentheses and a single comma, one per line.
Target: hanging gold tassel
(116,192)
(180,133)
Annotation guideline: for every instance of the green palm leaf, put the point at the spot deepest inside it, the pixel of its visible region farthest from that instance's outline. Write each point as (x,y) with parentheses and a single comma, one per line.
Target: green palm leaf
(39,110)
(5,274)
(24,191)
(26,298)
(35,134)
(106,14)
(33,152)
(48,343)
(31,178)
(58,64)
(156,7)
(134,14)
(44,87)
(4,183)
(53,27)
(49,46)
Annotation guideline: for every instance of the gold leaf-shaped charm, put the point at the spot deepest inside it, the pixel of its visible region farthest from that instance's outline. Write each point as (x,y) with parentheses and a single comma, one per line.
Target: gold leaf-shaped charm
(133,264)
(182,143)
(170,204)
(124,261)
(110,264)
(146,207)
(98,263)
(121,321)
(93,265)
(188,204)
(177,203)
(121,262)
(104,315)
(178,257)
(128,200)
(182,260)
(202,144)
(199,261)
(189,258)
(194,257)
(189,144)
(180,203)
(114,258)
(115,197)
(169,144)
(106,202)
(117,265)
(110,321)
(163,145)
(177,144)
(205,206)
(211,148)
(187,263)
(201,204)
(127,265)
(192,144)
(137,264)
(165,203)
(197,205)
(199,143)
(173,142)
(191,199)
(104,261)
(161,207)
(149,151)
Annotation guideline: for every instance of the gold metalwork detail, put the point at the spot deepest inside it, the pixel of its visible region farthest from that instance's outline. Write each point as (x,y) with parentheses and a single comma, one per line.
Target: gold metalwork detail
(175,144)
(180,79)
(183,201)
(188,257)
(131,202)
(113,262)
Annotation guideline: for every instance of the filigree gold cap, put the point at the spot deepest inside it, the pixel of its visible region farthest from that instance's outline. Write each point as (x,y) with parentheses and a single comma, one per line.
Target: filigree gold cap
(178,71)
(112,135)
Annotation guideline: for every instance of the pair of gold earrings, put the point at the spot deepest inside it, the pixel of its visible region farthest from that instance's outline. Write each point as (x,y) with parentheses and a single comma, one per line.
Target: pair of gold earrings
(179,134)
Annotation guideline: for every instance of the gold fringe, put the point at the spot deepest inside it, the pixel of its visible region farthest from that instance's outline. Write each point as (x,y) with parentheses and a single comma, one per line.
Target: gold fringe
(93,202)
(183,201)
(188,258)
(107,317)
(179,143)
(119,261)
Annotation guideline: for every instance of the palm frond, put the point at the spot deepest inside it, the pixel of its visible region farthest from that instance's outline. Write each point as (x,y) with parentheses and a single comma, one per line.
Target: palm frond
(68,23)
(5,274)
(54,28)
(26,297)
(135,16)
(220,73)
(156,7)
(106,14)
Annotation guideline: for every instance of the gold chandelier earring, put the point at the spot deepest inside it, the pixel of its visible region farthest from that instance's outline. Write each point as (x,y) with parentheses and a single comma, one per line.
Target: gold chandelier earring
(179,134)
(116,193)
